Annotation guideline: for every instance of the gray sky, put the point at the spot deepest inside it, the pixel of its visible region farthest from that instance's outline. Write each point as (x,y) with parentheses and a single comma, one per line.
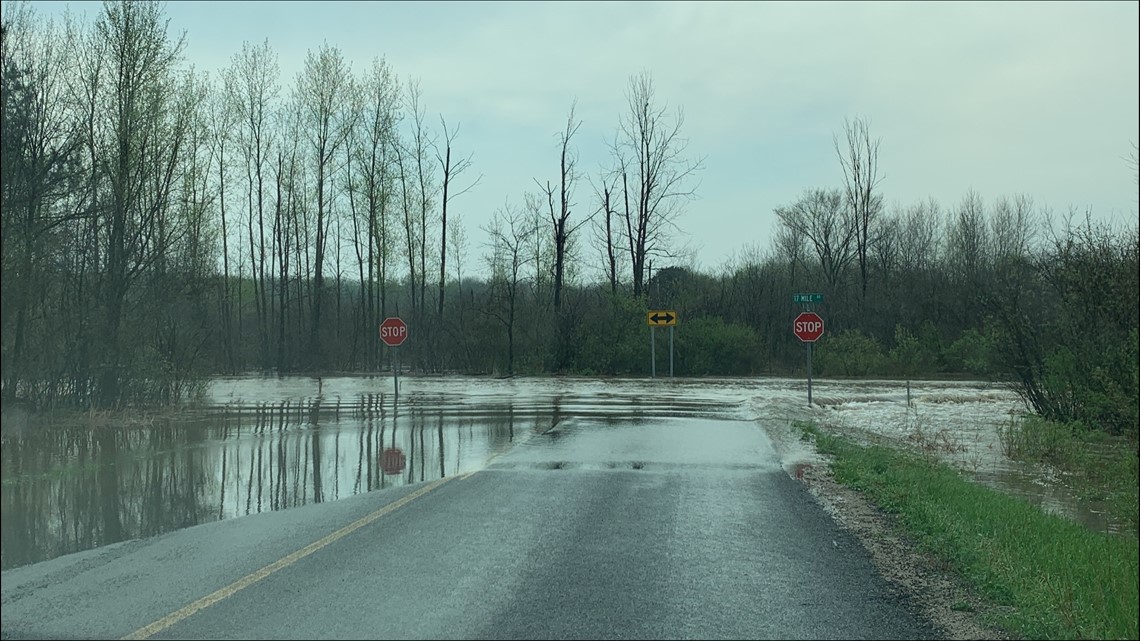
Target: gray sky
(1024,97)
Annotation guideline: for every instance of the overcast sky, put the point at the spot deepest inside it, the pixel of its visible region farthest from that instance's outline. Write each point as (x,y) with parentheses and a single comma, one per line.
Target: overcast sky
(1004,98)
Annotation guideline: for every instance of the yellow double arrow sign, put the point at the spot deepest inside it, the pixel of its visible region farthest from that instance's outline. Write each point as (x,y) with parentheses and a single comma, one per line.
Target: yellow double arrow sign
(661,317)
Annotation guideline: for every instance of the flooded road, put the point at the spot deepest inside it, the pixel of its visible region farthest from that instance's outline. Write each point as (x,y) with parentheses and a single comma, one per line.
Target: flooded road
(264,443)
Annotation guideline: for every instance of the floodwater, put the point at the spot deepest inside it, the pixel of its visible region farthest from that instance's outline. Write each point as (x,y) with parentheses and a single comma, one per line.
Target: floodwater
(268,443)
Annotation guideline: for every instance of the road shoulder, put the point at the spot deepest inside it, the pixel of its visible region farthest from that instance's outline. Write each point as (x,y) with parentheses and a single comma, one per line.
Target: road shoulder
(941,595)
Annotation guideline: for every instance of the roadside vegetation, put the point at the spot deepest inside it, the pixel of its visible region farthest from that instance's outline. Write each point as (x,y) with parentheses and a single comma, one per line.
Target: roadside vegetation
(1050,578)
(1094,464)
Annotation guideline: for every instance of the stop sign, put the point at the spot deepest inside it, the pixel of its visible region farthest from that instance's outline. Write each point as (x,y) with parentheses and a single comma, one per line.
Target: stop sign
(808,327)
(393,331)
(392,461)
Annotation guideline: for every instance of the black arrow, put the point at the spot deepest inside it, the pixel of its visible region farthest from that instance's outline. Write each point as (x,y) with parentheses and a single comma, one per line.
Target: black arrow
(657,318)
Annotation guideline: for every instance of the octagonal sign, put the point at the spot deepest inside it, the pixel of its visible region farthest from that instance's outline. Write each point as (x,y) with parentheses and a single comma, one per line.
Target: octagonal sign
(393,331)
(808,327)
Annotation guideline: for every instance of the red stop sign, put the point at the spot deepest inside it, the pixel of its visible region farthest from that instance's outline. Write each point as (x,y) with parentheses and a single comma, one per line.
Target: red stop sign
(808,327)
(392,461)
(393,331)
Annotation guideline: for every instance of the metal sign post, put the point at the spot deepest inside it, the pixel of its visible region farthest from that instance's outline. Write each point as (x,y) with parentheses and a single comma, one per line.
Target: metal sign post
(809,373)
(653,352)
(808,327)
(394,331)
(655,319)
(670,351)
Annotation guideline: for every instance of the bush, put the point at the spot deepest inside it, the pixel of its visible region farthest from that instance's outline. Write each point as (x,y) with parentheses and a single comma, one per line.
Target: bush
(969,354)
(911,355)
(849,353)
(709,346)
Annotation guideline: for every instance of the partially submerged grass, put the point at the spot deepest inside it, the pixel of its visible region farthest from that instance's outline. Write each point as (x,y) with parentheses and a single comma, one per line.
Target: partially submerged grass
(1096,465)
(1057,579)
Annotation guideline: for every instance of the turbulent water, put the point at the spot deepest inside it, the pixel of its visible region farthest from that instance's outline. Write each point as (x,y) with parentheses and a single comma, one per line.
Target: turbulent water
(267,443)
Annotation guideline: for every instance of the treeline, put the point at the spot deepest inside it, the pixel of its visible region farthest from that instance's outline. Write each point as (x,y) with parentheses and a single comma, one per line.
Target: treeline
(161,225)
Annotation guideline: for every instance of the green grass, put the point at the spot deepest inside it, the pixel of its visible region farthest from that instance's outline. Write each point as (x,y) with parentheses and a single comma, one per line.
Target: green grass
(1055,578)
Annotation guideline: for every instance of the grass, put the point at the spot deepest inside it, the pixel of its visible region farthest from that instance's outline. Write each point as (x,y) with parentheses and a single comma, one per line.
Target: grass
(1054,578)
(1098,466)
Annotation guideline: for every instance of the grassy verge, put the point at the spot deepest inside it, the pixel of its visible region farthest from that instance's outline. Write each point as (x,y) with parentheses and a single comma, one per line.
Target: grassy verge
(1057,579)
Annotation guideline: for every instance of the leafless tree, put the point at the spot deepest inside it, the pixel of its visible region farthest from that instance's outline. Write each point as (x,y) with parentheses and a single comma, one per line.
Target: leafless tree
(920,228)
(510,231)
(139,141)
(539,247)
(371,178)
(41,146)
(789,245)
(323,88)
(822,218)
(559,220)
(417,190)
(607,232)
(860,162)
(656,174)
(451,171)
(221,120)
(251,85)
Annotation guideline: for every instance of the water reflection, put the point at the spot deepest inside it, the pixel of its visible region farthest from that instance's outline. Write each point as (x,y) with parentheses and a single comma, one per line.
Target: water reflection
(271,443)
(76,488)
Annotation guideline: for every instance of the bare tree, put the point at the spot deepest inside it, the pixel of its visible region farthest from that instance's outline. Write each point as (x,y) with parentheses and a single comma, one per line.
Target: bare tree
(788,245)
(539,246)
(373,177)
(1013,228)
(40,149)
(322,89)
(821,217)
(655,174)
(251,85)
(221,120)
(860,163)
(919,230)
(417,190)
(139,138)
(450,172)
(607,229)
(568,160)
(510,231)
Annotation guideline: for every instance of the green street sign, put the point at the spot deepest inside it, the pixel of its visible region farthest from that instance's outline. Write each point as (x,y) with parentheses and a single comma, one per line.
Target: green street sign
(807,298)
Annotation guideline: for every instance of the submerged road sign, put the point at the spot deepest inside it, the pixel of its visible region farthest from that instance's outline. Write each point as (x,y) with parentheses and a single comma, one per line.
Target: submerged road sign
(392,461)
(661,318)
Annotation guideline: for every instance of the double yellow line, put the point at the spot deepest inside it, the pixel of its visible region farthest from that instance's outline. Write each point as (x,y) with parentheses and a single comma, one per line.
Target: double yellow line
(165,622)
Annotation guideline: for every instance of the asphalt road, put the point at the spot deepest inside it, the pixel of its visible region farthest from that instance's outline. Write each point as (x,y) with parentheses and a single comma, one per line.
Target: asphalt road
(685,528)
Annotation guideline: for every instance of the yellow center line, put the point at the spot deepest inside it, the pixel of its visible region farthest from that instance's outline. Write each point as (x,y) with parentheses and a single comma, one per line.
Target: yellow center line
(248,580)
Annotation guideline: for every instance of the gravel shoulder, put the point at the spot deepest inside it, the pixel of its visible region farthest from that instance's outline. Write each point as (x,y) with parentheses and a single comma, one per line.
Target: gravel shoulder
(943,597)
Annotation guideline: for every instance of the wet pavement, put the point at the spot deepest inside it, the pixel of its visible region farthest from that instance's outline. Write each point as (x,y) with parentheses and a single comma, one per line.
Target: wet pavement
(262,444)
(598,527)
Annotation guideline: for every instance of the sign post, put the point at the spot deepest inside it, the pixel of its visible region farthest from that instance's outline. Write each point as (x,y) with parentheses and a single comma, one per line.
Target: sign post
(394,331)
(808,327)
(655,319)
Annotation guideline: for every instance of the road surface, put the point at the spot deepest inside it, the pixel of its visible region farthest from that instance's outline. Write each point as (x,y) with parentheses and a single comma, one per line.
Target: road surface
(663,528)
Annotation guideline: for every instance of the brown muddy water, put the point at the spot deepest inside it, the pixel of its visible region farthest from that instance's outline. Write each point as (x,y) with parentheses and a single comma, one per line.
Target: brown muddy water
(268,443)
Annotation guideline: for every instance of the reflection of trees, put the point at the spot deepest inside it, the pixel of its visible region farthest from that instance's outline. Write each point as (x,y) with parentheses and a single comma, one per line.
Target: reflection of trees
(70,489)
(439,439)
